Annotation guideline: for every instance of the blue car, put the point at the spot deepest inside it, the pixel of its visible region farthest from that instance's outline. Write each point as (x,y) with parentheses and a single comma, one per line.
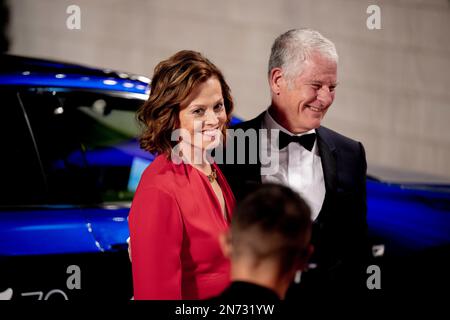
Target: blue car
(409,228)
(70,164)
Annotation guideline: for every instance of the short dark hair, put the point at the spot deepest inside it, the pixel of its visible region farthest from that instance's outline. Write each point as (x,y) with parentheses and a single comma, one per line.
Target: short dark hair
(173,80)
(273,219)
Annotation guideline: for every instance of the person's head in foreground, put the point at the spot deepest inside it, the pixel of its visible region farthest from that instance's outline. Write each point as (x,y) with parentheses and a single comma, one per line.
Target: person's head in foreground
(188,92)
(302,77)
(269,238)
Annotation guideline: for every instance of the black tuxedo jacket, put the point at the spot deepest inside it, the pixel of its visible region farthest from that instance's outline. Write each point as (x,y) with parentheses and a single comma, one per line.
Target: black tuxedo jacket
(241,291)
(340,230)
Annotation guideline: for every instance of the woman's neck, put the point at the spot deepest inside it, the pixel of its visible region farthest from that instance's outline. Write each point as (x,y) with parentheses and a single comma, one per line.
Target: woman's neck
(197,157)
(204,167)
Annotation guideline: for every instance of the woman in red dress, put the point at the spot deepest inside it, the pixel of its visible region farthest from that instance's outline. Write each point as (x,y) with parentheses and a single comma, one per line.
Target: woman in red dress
(183,201)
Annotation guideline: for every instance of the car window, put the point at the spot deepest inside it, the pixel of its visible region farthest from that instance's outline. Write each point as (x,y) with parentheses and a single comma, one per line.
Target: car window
(87,143)
(22,181)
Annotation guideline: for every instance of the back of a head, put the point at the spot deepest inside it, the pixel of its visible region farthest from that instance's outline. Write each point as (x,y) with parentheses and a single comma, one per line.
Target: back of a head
(272,221)
(293,47)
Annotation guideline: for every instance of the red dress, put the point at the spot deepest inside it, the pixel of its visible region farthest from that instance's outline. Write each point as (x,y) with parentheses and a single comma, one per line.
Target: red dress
(175,220)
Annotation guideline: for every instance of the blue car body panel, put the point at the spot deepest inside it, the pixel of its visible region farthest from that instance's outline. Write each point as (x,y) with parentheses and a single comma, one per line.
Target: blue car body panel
(408,217)
(74,81)
(45,231)
(21,71)
(109,226)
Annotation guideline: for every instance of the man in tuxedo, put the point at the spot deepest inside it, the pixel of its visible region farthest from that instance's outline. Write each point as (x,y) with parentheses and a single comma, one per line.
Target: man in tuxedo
(287,144)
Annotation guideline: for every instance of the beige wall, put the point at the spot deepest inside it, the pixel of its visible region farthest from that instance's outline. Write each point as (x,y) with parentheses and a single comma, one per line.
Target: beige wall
(394,83)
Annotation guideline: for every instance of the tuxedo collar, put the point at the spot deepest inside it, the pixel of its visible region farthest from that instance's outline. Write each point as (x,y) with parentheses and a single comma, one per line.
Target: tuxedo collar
(327,152)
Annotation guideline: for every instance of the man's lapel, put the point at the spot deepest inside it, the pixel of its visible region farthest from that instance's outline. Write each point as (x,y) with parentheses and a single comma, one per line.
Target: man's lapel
(327,153)
(252,172)
(255,170)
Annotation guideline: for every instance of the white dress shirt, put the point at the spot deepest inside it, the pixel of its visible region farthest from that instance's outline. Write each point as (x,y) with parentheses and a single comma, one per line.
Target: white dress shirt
(298,168)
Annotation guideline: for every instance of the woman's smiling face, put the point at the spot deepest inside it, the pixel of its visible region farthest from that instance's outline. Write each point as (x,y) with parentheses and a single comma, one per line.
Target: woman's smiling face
(203,115)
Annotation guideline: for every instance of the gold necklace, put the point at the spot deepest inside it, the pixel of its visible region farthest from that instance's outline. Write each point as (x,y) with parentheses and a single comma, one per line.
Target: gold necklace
(212,176)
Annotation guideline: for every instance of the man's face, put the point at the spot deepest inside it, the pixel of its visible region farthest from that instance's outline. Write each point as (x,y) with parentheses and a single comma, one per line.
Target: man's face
(303,100)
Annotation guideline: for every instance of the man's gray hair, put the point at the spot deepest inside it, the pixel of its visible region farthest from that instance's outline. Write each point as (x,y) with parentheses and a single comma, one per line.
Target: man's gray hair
(291,49)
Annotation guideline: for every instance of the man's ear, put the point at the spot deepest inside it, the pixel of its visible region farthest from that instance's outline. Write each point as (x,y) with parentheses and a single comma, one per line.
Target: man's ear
(276,80)
(225,243)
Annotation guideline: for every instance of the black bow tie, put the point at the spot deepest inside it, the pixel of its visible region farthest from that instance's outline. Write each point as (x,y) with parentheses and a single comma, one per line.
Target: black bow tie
(306,140)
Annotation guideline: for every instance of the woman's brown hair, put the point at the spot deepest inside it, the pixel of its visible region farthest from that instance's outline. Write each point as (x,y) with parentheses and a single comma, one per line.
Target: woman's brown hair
(173,80)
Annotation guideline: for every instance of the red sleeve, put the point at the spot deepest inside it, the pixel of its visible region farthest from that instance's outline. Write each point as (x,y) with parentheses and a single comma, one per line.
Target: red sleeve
(156,234)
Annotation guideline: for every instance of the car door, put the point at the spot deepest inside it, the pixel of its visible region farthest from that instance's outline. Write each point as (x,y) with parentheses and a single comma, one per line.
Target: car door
(36,235)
